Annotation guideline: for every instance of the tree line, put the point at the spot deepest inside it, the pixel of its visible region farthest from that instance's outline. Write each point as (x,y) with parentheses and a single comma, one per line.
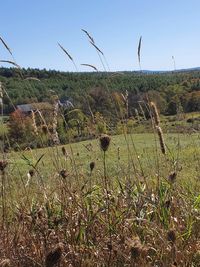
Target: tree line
(171,90)
(99,102)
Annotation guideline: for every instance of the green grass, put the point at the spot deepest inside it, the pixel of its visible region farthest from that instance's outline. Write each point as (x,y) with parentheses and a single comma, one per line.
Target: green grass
(3,129)
(138,149)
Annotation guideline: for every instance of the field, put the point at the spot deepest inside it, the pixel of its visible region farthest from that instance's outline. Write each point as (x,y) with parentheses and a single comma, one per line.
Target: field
(139,149)
(117,201)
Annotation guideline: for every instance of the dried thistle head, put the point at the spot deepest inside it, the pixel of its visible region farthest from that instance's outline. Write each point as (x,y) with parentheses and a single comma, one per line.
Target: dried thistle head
(171,236)
(104,142)
(5,263)
(63,173)
(3,164)
(172,177)
(138,251)
(31,172)
(92,165)
(135,252)
(54,256)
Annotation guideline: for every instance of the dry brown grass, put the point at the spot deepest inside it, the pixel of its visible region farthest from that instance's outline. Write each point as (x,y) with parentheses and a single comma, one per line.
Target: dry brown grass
(74,223)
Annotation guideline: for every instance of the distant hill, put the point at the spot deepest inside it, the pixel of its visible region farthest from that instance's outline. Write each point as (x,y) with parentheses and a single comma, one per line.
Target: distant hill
(170,71)
(171,90)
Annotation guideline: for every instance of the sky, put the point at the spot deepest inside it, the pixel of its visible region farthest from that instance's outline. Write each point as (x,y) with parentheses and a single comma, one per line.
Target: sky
(32,29)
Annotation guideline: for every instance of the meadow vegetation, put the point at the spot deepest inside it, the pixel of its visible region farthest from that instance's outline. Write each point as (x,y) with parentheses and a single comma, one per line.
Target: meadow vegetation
(126,204)
(112,180)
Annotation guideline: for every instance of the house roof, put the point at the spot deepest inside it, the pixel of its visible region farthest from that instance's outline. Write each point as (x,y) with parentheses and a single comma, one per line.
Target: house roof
(34,106)
(43,106)
(25,107)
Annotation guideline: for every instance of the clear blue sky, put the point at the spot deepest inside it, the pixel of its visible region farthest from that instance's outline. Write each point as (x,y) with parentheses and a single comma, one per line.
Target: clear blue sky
(32,29)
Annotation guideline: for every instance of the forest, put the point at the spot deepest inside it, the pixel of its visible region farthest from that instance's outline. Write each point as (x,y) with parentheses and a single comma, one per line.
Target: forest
(171,91)
(73,107)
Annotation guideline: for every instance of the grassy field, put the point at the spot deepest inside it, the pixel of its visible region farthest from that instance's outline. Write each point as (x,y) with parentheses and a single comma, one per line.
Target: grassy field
(78,205)
(125,152)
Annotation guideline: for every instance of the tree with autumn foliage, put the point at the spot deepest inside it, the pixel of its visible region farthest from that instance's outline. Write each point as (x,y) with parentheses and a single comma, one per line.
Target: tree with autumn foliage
(20,127)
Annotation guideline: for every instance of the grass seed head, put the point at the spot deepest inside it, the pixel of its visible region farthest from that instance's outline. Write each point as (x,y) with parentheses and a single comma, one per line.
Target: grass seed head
(155,113)
(105,142)
(161,140)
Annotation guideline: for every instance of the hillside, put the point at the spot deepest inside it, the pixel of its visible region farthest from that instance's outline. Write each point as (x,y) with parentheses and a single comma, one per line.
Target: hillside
(171,91)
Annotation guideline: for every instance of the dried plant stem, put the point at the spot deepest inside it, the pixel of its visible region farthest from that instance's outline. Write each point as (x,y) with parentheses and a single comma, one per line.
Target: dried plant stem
(55,137)
(155,140)
(1,107)
(3,197)
(34,123)
(107,206)
(2,172)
